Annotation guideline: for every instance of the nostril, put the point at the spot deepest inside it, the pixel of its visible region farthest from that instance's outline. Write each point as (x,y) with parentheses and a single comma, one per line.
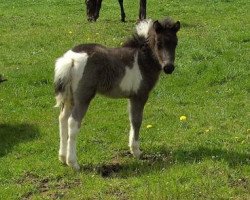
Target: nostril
(168,69)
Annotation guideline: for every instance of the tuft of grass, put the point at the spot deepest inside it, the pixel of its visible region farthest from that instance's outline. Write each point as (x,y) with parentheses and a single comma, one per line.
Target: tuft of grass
(205,157)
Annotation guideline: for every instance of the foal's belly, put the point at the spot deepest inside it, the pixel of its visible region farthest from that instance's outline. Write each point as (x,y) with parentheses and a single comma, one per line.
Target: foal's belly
(115,93)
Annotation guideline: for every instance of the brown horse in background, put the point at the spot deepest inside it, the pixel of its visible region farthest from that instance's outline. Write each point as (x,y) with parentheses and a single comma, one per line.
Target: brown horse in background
(94,7)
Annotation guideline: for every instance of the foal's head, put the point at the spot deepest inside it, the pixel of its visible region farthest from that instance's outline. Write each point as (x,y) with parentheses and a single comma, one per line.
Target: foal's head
(163,41)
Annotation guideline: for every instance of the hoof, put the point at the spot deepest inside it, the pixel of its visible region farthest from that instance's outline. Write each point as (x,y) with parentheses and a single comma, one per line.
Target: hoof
(136,153)
(62,158)
(74,165)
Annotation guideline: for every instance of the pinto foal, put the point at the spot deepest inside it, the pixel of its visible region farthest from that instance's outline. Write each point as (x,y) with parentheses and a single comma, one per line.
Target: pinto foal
(130,71)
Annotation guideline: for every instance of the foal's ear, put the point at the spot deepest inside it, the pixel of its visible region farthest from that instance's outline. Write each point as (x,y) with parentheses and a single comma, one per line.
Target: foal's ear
(157,26)
(176,27)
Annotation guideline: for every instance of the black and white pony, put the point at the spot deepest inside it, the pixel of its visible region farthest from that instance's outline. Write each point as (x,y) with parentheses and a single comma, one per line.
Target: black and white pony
(94,7)
(130,71)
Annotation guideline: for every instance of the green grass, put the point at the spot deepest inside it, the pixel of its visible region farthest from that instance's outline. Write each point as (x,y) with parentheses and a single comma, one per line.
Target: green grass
(208,157)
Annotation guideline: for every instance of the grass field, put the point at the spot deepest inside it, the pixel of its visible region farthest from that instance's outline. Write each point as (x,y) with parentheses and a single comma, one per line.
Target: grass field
(207,157)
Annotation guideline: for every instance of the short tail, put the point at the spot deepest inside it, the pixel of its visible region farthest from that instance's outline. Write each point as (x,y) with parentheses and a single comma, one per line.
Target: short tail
(62,80)
(68,72)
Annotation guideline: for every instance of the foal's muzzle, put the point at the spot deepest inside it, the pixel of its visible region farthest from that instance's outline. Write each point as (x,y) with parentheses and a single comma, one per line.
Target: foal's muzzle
(168,69)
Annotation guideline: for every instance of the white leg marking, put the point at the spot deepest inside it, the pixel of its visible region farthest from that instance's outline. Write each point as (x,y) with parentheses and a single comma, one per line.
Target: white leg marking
(71,149)
(133,144)
(132,78)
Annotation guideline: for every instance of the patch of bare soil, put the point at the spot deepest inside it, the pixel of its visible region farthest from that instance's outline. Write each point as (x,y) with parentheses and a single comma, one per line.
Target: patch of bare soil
(50,188)
(109,169)
(239,182)
(105,170)
(117,164)
(118,192)
(151,159)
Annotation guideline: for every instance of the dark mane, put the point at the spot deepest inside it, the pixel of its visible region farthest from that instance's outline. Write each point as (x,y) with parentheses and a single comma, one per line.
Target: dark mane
(136,41)
(167,23)
(139,41)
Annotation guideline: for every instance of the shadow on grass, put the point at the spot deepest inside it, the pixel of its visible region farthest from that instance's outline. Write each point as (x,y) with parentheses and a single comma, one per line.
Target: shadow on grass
(12,134)
(113,21)
(162,160)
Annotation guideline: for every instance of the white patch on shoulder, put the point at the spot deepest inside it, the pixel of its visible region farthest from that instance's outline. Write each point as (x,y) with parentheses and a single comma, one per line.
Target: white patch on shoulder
(132,78)
(143,27)
(74,63)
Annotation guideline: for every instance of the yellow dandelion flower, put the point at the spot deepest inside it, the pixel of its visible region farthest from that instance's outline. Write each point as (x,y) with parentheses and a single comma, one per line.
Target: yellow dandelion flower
(183,118)
(149,126)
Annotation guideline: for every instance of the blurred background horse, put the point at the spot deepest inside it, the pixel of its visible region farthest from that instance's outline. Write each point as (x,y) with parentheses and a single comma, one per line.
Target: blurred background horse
(94,7)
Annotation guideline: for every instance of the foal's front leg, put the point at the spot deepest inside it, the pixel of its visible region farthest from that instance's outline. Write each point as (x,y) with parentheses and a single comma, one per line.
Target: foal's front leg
(136,106)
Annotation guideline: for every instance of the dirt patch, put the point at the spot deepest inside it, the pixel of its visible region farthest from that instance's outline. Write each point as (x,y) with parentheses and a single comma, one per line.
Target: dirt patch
(52,188)
(118,191)
(28,177)
(148,157)
(119,166)
(124,153)
(26,196)
(154,158)
(239,182)
(109,170)
(105,170)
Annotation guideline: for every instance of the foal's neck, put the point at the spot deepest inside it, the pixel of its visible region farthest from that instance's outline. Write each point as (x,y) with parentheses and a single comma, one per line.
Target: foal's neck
(148,57)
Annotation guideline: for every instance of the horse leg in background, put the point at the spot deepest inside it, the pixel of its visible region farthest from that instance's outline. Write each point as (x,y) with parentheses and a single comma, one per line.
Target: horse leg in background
(123,15)
(74,122)
(90,8)
(136,106)
(97,9)
(143,8)
(63,127)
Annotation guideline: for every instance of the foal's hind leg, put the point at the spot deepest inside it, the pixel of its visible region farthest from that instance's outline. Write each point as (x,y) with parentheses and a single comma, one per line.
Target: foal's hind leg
(63,127)
(74,123)
(136,107)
